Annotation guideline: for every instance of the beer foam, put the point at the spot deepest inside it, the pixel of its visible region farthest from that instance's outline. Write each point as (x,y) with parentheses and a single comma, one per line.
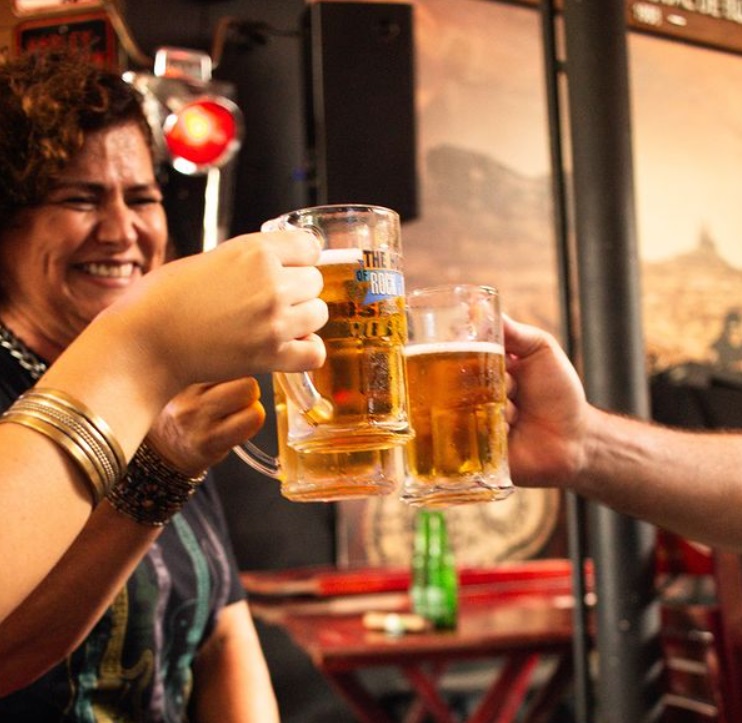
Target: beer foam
(452,347)
(340,256)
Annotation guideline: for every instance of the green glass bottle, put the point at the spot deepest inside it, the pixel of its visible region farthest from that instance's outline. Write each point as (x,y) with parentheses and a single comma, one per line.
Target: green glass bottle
(434,584)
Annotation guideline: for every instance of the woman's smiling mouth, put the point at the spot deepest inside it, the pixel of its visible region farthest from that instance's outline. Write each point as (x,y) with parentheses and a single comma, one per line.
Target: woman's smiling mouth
(109,270)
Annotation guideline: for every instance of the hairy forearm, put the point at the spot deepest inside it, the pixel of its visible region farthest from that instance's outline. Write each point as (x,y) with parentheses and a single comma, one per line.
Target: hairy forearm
(687,482)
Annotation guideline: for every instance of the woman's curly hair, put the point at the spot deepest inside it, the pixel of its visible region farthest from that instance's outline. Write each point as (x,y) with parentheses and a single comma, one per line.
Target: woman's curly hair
(49,102)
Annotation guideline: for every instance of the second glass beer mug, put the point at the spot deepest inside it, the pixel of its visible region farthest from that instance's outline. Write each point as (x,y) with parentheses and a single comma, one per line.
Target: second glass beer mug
(456,372)
(362,384)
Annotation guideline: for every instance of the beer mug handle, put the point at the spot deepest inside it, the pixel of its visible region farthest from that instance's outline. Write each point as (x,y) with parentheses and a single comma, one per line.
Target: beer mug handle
(299,388)
(254,456)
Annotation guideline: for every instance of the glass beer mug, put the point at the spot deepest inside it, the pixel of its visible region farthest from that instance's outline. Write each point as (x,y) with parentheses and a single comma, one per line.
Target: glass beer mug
(344,414)
(456,372)
(323,476)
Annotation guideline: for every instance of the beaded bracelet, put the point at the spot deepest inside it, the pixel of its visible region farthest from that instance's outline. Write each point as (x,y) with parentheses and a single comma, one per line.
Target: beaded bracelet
(152,491)
(86,438)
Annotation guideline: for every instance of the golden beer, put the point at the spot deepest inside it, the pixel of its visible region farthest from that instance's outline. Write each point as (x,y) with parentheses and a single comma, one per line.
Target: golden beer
(364,375)
(457,409)
(323,476)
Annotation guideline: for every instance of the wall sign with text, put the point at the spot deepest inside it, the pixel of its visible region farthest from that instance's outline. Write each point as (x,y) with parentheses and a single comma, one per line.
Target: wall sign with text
(714,23)
(91,34)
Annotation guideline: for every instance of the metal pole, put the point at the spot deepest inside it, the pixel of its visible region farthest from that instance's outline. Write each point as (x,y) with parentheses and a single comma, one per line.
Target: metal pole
(611,344)
(575,506)
(212,193)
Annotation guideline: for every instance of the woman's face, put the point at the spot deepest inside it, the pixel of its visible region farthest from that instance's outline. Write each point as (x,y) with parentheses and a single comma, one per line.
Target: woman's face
(101,227)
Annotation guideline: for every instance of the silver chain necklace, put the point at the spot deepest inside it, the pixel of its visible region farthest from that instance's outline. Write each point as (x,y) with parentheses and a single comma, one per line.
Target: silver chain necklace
(21,353)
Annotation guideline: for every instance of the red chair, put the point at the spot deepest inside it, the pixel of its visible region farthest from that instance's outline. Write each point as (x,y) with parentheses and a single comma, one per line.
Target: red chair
(701,594)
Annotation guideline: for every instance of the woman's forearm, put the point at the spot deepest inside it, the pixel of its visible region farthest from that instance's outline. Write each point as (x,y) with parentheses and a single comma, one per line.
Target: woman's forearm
(57,616)
(44,496)
(231,682)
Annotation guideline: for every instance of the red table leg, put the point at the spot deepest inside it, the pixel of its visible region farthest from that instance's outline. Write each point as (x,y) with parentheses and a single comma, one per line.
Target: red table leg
(504,697)
(417,711)
(361,702)
(542,708)
(428,694)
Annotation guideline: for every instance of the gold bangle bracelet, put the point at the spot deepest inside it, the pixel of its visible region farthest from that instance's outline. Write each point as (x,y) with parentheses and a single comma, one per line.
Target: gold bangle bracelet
(77,429)
(97,423)
(92,473)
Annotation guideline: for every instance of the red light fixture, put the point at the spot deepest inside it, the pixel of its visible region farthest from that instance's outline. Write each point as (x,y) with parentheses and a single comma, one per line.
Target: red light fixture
(197,128)
(203,133)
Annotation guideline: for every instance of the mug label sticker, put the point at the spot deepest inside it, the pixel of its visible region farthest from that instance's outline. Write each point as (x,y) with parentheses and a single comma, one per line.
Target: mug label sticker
(380,275)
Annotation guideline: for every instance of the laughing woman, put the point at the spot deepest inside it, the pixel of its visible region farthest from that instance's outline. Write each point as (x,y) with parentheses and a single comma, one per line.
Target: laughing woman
(141,616)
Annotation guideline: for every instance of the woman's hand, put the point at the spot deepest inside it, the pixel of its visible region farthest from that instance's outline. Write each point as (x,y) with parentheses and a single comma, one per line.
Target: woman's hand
(199,426)
(251,305)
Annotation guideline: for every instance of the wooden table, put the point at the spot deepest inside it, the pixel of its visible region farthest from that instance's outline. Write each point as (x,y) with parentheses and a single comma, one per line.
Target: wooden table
(517,614)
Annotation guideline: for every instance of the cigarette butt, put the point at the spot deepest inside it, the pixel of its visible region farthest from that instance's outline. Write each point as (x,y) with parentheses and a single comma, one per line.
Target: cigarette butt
(395,623)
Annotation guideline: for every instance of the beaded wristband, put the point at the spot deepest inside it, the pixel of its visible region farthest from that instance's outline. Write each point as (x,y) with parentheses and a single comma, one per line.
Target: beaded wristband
(152,491)
(86,437)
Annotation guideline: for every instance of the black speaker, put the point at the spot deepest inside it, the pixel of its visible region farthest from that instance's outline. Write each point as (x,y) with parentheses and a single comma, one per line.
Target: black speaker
(361,105)
(184,202)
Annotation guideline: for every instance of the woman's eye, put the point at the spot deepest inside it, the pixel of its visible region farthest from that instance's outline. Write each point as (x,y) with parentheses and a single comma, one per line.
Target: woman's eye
(78,201)
(144,200)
